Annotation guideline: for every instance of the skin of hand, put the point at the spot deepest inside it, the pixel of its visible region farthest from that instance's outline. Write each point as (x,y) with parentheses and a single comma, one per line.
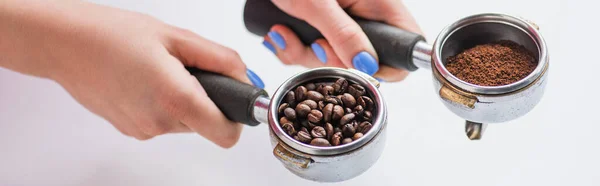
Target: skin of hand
(126,67)
(345,45)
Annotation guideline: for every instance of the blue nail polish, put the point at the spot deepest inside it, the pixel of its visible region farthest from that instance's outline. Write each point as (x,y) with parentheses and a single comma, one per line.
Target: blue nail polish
(255,79)
(319,52)
(269,46)
(366,63)
(380,80)
(279,41)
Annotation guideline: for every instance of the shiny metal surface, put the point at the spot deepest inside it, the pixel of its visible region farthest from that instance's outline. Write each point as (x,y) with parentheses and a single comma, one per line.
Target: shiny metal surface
(261,109)
(380,113)
(422,55)
(474,130)
(485,28)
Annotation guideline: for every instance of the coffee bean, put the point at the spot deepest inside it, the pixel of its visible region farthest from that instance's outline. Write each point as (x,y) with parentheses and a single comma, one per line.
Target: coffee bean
(356,90)
(336,139)
(364,127)
(327,90)
(305,123)
(288,128)
(315,96)
(296,138)
(367,116)
(304,137)
(289,113)
(282,107)
(320,142)
(338,113)
(340,86)
(357,135)
(318,132)
(304,129)
(348,100)
(347,118)
(354,124)
(312,104)
(311,125)
(358,110)
(321,105)
(332,100)
(348,110)
(302,110)
(348,130)
(365,102)
(284,120)
(336,130)
(310,86)
(327,112)
(315,116)
(329,130)
(301,93)
(347,140)
(290,98)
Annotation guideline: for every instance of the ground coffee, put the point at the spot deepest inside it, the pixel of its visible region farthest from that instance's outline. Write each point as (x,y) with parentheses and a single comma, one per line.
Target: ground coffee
(494,64)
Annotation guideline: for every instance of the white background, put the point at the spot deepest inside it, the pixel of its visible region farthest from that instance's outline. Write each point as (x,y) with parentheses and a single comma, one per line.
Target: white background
(46,138)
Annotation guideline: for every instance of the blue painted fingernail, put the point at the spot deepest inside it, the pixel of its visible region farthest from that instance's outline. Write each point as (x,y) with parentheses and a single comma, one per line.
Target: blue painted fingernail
(319,52)
(255,79)
(366,63)
(380,80)
(270,46)
(279,41)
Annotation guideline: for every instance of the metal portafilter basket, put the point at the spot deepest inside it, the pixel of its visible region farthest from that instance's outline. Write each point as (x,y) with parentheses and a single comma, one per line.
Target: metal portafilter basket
(398,48)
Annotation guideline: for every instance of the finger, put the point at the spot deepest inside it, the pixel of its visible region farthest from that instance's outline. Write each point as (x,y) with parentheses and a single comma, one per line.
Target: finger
(389,74)
(195,51)
(289,49)
(343,33)
(323,50)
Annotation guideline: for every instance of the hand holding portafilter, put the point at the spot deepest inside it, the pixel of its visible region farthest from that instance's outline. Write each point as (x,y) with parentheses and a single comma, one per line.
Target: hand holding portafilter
(401,49)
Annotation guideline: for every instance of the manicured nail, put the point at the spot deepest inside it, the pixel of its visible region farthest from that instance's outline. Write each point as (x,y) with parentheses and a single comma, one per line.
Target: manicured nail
(319,52)
(255,79)
(275,37)
(270,46)
(366,63)
(380,80)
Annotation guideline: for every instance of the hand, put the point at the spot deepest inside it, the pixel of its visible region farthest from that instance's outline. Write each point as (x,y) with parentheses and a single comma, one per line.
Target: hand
(126,67)
(345,44)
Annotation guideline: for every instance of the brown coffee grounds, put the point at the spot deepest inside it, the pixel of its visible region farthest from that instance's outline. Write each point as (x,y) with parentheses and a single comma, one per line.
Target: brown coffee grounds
(494,64)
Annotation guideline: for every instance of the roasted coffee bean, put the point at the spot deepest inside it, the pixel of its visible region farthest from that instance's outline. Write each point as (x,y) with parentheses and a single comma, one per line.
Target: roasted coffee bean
(338,113)
(315,96)
(327,112)
(336,139)
(329,130)
(321,105)
(365,102)
(283,120)
(348,100)
(289,129)
(326,90)
(358,110)
(304,137)
(315,116)
(318,132)
(348,110)
(304,129)
(367,116)
(347,118)
(311,125)
(310,86)
(340,86)
(320,142)
(356,136)
(312,104)
(282,107)
(301,92)
(302,110)
(354,124)
(304,123)
(332,100)
(336,130)
(348,130)
(356,90)
(290,98)
(364,127)
(290,113)
(346,141)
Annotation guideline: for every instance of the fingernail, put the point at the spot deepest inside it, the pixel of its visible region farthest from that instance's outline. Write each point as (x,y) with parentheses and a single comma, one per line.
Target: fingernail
(255,79)
(366,63)
(275,37)
(269,46)
(319,52)
(380,80)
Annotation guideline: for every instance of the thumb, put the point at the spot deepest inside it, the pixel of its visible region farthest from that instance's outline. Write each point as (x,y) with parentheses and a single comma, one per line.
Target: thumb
(345,36)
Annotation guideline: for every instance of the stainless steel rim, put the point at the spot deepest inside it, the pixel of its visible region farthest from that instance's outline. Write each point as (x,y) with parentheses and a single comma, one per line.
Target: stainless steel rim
(318,73)
(518,23)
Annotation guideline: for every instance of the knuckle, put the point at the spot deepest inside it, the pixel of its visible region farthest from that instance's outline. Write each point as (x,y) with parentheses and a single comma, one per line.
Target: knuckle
(154,128)
(346,34)
(229,140)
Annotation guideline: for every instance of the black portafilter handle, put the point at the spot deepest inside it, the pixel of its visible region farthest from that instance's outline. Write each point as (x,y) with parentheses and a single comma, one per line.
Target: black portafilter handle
(234,98)
(393,45)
